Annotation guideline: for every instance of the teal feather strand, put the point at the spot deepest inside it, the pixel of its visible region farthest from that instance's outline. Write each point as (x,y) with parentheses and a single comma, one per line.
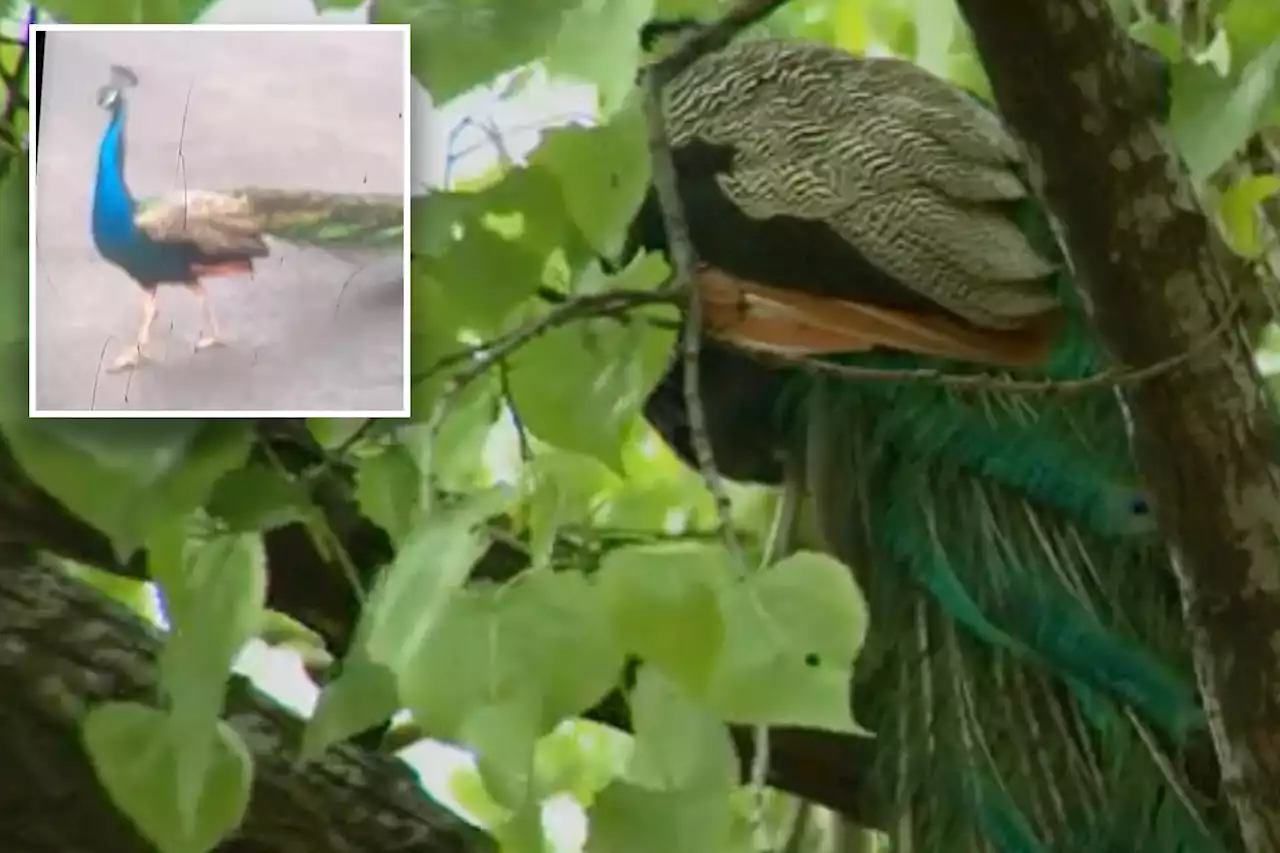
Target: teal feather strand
(1015,515)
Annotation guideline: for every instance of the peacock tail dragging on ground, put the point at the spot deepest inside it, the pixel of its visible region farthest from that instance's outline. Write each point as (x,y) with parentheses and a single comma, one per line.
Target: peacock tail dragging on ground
(1027,673)
(188,236)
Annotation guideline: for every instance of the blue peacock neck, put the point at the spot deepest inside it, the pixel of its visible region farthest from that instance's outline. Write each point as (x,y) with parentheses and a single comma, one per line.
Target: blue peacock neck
(113,206)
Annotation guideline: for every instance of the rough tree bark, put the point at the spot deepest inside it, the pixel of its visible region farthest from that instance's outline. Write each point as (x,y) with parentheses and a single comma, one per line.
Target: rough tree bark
(1162,283)
(64,646)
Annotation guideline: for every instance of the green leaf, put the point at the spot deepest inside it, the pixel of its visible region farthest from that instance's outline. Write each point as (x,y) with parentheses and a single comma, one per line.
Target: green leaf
(663,601)
(469,793)
(565,487)
(455,46)
(435,216)
(388,488)
(567,642)
(428,571)
(1253,26)
(332,433)
(282,630)
(503,734)
(129,478)
(125,11)
(642,506)
(534,195)
(1161,36)
(137,595)
(14,216)
(580,386)
(215,599)
(258,497)
(699,9)
(604,172)
(455,455)
(647,271)
(541,636)
(1211,120)
(679,746)
(1218,54)
(362,696)
(1238,208)
(936,24)
(568,762)
(892,25)
(792,632)
(626,818)
(850,28)
(598,42)
(482,278)
(13,382)
(522,832)
(139,765)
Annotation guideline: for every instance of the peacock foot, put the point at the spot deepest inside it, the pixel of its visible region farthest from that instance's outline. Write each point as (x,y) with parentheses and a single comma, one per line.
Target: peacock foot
(207,341)
(130,358)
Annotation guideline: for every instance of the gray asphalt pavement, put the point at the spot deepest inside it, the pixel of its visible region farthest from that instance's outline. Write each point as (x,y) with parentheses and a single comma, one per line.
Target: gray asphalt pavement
(309,331)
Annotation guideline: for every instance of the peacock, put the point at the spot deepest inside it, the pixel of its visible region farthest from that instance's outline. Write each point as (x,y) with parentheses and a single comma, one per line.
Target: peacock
(1027,673)
(189,236)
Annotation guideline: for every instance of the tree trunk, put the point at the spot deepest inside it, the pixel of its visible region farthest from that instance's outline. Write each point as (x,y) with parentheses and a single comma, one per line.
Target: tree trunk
(1161,284)
(64,647)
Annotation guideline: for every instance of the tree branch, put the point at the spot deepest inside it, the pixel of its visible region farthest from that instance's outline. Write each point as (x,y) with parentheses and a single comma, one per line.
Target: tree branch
(827,768)
(1159,280)
(65,647)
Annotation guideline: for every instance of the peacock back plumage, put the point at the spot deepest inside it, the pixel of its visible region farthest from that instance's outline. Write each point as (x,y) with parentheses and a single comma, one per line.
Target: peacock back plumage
(1027,672)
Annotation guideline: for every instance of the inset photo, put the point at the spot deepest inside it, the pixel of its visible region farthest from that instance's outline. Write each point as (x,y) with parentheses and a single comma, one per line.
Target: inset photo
(219,221)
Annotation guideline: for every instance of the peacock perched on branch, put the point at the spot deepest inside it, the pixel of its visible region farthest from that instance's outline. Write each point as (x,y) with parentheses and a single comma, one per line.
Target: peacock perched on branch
(186,237)
(1027,674)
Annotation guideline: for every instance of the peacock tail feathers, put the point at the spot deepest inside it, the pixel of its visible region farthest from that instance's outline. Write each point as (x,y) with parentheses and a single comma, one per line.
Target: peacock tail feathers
(1040,696)
(329,220)
(1027,672)
(1041,689)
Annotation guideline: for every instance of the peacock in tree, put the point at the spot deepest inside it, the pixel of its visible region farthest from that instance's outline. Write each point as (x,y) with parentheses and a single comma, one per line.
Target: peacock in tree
(1027,674)
(187,237)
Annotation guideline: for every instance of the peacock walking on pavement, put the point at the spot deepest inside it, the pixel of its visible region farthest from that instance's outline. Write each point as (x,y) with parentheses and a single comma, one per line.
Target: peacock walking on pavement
(1027,674)
(187,237)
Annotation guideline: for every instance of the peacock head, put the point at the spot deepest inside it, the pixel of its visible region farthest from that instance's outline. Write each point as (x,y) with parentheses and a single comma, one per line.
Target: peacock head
(111,96)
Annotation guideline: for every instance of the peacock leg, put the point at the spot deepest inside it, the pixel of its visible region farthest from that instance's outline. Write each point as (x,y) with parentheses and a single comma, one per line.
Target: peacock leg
(209,335)
(134,354)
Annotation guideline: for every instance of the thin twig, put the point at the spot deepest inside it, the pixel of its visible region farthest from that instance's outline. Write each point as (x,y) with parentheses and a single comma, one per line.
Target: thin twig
(571,118)
(679,245)
(589,306)
(182,155)
(778,544)
(714,36)
(13,84)
(522,434)
(334,544)
(682,254)
(1107,379)
(800,826)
